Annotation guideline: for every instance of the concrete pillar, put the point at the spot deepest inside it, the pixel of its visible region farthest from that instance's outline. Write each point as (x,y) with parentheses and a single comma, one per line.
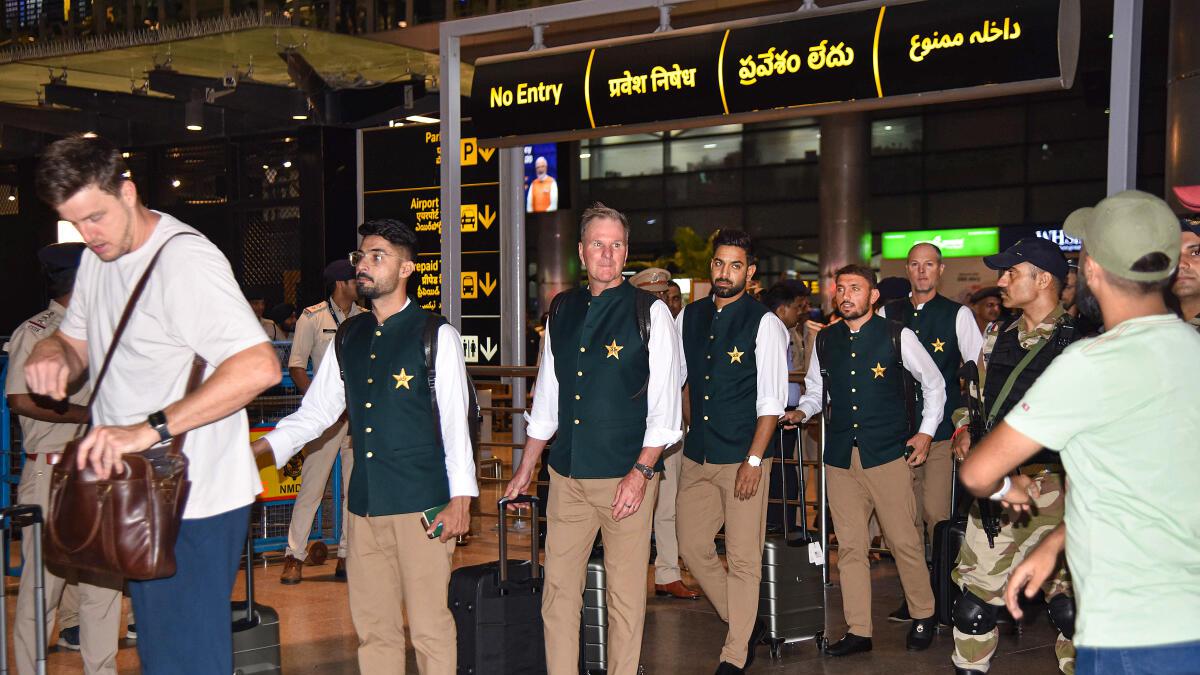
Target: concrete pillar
(1183,99)
(558,253)
(845,150)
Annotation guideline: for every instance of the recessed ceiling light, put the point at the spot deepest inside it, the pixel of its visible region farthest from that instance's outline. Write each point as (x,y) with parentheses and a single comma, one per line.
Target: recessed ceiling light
(287,165)
(422,119)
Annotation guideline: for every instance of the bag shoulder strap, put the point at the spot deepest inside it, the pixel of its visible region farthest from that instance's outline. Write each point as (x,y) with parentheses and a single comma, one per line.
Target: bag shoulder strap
(339,338)
(429,339)
(643,300)
(895,332)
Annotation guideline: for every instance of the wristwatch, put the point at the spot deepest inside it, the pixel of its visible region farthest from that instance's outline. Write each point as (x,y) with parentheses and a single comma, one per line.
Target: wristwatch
(158,422)
(754,460)
(646,471)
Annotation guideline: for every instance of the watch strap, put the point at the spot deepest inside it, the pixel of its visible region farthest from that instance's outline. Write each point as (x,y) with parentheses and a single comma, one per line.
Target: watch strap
(158,421)
(646,471)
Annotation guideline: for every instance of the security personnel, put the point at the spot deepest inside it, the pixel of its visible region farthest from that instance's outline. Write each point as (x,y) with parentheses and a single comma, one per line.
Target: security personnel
(668,581)
(869,453)
(948,332)
(612,394)
(1033,272)
(406,465)
(314,331)
(735,351)
(46,427)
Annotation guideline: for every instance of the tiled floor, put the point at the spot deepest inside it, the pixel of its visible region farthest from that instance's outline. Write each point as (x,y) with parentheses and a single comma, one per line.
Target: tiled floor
(681,637)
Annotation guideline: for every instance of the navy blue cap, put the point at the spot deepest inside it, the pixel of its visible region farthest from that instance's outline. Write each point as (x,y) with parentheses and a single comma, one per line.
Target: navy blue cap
(1190,224)
(893,288)
(1043,253)
(58,257)
(339,270)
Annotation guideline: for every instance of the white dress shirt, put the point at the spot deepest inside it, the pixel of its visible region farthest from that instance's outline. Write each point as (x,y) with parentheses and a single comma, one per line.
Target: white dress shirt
(325,401)
(664,416)
(916,361)
(770,358)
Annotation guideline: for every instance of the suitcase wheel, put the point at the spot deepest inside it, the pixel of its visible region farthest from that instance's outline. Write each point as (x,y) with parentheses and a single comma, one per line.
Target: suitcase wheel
(820,641)
(776,649)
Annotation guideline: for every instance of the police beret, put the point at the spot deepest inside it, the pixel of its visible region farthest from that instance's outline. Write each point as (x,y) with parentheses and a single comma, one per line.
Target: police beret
(59,257)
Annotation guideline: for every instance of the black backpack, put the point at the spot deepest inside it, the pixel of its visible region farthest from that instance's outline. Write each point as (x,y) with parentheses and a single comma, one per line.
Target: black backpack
(894,327)
(433,323)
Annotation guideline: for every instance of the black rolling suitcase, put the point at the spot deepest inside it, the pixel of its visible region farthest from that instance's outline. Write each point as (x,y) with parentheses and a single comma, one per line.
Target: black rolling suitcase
(948,538)
(593,624)
(791,597)
(26,515)
(255,629)
(497,609)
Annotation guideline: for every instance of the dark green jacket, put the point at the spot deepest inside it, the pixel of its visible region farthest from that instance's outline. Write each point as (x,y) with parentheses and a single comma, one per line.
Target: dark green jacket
(399,463)
(602,368)
(722,379)
(865,395)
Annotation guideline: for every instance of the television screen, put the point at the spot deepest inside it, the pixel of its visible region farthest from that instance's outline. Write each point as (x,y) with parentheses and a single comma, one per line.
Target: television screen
(542,190)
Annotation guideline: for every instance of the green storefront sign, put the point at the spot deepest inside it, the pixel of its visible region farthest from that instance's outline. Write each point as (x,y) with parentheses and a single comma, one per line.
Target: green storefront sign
(964,243)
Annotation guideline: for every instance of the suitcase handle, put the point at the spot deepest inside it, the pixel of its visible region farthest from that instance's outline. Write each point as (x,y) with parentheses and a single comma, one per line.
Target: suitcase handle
(534,535)
(21,516)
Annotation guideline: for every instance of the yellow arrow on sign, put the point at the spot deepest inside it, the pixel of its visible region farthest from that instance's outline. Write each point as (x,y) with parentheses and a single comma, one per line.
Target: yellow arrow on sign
(488,284)
(486,218)
(486,153)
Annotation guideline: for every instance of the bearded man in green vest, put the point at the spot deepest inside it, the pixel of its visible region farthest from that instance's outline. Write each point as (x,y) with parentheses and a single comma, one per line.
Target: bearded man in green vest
(408,461)
(735,352)
(949,333)
(609,386)
(869,451)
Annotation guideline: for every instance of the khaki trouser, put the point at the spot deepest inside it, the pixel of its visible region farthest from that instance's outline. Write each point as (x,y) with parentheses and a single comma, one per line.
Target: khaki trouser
(314,474)
(666,562)
(887,490)
(706,502)
(983,571)
(393,569)
(931,486)
(577,509)
(99,605)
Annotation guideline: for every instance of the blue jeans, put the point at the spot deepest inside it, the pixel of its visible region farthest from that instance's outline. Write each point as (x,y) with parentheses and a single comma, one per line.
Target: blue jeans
(184,621)
(1175,659)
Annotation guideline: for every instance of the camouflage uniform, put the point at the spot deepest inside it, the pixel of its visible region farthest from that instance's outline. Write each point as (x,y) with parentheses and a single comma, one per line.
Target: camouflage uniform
(982,569)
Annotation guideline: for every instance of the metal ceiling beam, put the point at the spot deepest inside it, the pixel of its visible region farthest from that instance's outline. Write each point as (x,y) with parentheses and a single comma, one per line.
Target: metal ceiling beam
(61,122)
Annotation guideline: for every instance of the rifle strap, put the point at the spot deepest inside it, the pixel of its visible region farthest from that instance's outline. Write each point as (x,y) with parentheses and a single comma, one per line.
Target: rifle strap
(1012,379)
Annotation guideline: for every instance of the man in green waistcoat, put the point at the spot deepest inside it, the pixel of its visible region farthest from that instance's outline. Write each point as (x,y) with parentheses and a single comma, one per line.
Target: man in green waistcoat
(869,449)
(735,353)
(612,394)
(949,333)
(408,462)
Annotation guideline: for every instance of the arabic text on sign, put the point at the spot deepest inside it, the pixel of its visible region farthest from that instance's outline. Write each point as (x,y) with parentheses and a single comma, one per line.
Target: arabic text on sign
(991,31)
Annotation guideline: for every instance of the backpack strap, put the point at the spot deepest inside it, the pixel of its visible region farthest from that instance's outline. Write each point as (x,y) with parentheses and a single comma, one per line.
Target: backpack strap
(429,340)
(897,312)
(339,338)
(895,331)
(643,300)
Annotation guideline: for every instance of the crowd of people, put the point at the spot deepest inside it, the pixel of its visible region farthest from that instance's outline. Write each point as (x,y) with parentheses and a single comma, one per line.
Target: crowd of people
(1076,430)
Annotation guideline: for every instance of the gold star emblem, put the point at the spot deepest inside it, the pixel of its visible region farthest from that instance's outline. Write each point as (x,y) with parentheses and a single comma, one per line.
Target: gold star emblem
(938,345)
(735,356)
(402,380)
(879,370)
(614,350)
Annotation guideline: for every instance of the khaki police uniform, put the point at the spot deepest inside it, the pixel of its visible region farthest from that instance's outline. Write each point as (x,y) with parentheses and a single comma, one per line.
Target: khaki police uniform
(315,329)
(99,598)
(983,568)
(737,372)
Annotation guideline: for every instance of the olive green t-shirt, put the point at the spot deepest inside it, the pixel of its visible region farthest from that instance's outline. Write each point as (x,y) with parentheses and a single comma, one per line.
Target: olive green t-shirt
(1124,410)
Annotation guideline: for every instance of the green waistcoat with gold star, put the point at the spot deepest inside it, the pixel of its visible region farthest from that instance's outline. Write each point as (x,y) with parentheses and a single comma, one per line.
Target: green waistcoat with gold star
(722,379)
(399,464)
(866,395)
(936,327)
(602,369)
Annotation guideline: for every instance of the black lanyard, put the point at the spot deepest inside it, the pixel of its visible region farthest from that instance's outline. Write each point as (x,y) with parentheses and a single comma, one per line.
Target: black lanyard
(336,322)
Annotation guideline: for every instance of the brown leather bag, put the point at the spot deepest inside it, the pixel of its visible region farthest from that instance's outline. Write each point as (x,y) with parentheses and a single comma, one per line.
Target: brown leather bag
(125,525)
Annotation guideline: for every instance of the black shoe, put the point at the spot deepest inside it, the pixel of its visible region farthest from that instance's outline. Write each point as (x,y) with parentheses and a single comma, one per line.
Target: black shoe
(849,644)
(920,635)
(965,671)
(756,637)
(900,614)
(729,669)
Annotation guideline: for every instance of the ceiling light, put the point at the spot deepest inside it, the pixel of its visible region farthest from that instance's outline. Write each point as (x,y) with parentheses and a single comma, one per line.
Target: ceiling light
(176,183)
(709,146)
(287,165)
(12,198)
(265,167)
(887,127)
(193,115)
(584,155)
(125,155)
(299,118)
(422,119)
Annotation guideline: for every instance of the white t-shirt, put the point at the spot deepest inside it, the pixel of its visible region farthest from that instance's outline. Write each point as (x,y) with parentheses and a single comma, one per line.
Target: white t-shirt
(191,305)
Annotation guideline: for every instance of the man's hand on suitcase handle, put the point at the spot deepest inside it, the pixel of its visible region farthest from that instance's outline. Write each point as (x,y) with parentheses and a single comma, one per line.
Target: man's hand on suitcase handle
(455,519)
(517,486)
